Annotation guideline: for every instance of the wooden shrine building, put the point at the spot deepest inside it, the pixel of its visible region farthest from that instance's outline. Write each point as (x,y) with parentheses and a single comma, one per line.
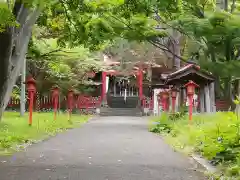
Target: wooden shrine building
(205,94)
(133,89)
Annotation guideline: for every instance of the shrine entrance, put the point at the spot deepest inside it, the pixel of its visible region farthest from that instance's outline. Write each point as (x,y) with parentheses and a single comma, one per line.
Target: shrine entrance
(122,90)
(123,86)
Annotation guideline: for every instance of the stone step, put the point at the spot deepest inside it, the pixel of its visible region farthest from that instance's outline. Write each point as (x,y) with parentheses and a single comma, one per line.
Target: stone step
(119,102)
(120,112)
(121,105)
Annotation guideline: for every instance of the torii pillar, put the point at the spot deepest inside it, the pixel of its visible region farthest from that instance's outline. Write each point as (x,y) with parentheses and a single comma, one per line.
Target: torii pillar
(140,83)
(103,96)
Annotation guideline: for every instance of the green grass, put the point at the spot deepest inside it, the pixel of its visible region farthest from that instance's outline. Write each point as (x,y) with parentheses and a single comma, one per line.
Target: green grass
(215,136)
(15,131)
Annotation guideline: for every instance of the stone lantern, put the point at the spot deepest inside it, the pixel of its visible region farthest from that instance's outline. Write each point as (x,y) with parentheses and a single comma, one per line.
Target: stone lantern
(31,88)
(190,92)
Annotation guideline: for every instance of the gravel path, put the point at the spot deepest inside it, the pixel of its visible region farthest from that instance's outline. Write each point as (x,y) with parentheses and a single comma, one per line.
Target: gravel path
(106,148)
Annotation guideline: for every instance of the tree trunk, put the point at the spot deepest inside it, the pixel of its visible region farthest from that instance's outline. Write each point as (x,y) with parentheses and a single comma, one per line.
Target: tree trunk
(207,99)
(177,49)
(202,99)
(23,89)
(212,96)
(14,45)
(218,87)
(5,53)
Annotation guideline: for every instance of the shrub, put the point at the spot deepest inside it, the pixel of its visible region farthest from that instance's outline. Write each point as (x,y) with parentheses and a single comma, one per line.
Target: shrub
(162,124)
(214,136)
(176,116)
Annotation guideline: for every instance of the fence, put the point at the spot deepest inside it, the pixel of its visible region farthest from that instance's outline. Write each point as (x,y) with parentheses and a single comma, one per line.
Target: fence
(85,104)
(88,104)
(147,103)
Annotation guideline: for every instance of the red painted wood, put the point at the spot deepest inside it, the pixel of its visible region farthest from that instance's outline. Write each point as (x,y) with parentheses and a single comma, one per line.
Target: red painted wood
(190,97)
(31,94)
(104,75)
(140,83)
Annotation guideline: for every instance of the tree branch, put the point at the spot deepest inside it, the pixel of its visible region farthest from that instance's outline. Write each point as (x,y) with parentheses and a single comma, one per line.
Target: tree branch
(154,42)
(160,46)
(50,52)
(160,20)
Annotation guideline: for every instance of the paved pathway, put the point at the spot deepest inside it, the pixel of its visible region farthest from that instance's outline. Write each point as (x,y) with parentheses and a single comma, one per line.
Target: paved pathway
(107,148)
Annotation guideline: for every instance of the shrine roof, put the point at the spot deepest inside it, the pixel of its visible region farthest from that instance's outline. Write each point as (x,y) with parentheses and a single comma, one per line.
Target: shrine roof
(189,72)
(161,70)
(183,69)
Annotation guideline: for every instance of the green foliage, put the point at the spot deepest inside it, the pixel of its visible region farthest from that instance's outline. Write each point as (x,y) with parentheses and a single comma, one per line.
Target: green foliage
(162,124)
(177,116)
(66,67)
(6,17)
(15,132)
(237,100)
(16,92)
(93,24)
(217,41)
(215,136)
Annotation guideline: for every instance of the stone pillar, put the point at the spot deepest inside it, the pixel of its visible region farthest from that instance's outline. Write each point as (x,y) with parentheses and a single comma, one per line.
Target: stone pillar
(207,99)
(212,97)
(177,103)
(114,88)
(156,106)
(202,101)
(170,104)
(184,96)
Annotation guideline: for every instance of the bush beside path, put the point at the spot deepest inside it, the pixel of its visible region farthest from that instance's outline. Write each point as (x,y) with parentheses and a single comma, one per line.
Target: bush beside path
(216,137)
(16,134)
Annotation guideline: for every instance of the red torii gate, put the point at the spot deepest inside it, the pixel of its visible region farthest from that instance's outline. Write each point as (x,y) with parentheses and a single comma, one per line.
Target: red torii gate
(138,73)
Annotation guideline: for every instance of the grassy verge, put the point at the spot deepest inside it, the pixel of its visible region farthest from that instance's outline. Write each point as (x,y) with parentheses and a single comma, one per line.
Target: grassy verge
(15,134)
(215,136)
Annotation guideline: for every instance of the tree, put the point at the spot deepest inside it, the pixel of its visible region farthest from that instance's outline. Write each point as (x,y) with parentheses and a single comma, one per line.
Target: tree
(73,21)
(217,37)
(17,20)
(67,67)
(93,24)
(14,43)
(132,53)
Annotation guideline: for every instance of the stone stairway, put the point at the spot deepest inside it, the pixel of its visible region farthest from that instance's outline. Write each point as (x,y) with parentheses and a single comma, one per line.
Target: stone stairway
(119,102)
(117,106)
(107,111)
